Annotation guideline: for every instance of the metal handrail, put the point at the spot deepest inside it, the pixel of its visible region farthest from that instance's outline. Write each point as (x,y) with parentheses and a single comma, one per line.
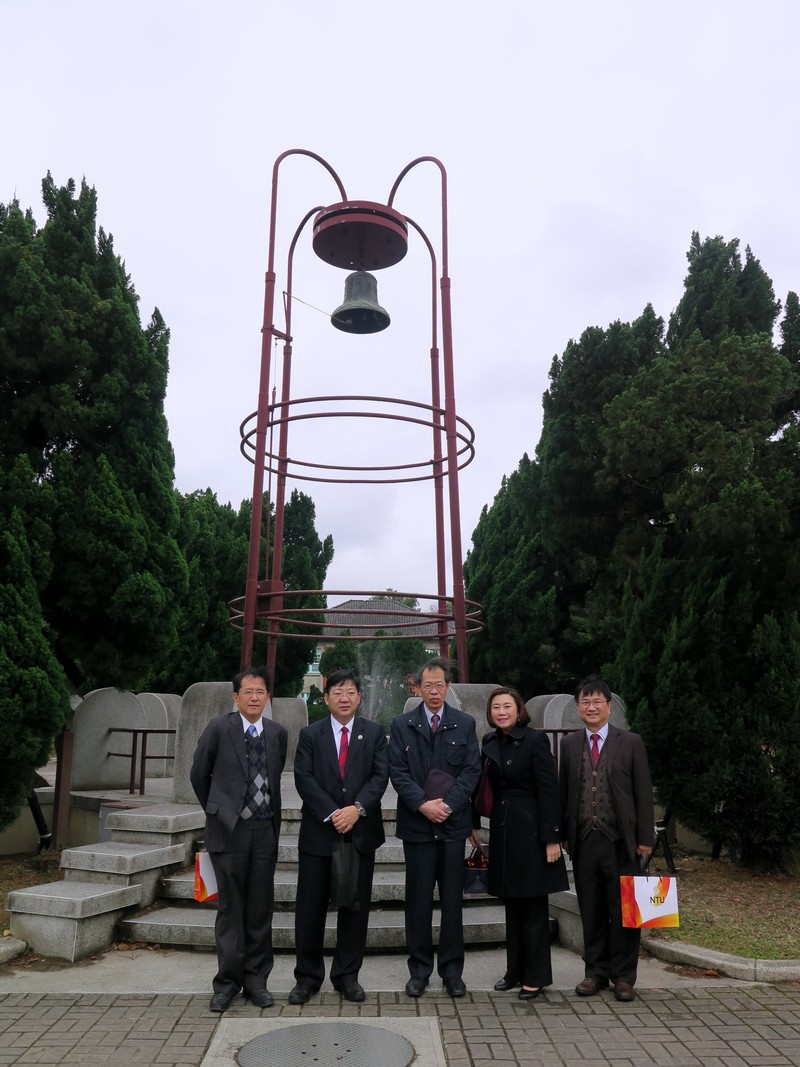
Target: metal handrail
(143,758)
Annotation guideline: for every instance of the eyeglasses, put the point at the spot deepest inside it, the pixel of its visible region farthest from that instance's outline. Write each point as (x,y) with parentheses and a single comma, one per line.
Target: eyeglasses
(340,691)
(253,692)
(600,702)
(430,687)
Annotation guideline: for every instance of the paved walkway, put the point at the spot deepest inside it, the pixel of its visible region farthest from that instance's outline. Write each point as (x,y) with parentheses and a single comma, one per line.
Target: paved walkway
(151,1007)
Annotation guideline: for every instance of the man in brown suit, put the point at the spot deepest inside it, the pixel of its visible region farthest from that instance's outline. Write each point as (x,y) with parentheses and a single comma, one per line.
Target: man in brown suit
(607,799)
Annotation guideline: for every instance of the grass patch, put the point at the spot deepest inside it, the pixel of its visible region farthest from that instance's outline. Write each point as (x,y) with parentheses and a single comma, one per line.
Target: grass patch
(736,910)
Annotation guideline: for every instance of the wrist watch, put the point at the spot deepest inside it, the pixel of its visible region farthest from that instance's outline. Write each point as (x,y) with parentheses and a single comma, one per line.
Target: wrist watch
(362,811)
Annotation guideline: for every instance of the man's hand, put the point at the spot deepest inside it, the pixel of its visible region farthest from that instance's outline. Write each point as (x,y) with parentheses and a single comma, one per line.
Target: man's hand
(435,810)
(643,850)
(344,819)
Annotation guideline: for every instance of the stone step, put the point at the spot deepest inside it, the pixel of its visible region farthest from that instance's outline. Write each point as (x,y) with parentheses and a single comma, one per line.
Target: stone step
(122,863)
(70,919)
(483,924)
(391,852)
(387,886)
(162,824)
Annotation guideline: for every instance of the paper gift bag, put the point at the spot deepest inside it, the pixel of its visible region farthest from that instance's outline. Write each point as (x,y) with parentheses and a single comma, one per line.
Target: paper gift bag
(649,900)
(205,881)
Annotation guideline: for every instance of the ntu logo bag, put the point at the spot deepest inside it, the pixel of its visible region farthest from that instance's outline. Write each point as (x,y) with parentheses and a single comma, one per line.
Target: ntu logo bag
(205,881)
(649,901)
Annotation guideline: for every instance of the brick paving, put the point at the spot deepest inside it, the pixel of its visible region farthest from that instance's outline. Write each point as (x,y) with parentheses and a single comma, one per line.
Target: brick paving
(705,1026)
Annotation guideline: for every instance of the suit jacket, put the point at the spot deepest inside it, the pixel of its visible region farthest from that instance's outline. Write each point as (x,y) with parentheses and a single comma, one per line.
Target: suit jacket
(320,785)
(219,775)
(629,782)
(414,752)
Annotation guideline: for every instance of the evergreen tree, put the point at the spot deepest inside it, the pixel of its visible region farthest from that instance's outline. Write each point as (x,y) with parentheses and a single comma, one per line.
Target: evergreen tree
(33,700)
(512,576)
(81,398)
(213,540)
(664,500)
(707,661)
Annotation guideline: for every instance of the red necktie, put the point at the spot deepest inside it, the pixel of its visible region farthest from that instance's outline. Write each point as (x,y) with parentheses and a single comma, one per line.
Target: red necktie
(595,749)
(343,751)
(434,722)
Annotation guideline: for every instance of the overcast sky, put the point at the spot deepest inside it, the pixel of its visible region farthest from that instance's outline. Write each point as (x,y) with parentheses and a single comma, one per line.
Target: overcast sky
(583,141)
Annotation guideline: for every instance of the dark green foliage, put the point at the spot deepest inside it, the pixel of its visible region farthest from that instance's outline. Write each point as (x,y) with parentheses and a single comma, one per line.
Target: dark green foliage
(213,539)
(81,406)
(665,503)
(306,559)
(510,574)
(33,700)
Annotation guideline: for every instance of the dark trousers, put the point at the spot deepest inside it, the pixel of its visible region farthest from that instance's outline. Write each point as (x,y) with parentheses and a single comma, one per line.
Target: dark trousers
(428,864)
(311,907)
(243,929)
(528,941)
(609,949)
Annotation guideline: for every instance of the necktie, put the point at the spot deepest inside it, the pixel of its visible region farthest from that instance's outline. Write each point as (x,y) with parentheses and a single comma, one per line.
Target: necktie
(252,731)
(595,749)
(434,722)
(343,751)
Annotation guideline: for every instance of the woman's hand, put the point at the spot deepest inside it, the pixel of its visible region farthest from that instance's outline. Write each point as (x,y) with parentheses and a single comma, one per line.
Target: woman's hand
(474,839)
(553,853)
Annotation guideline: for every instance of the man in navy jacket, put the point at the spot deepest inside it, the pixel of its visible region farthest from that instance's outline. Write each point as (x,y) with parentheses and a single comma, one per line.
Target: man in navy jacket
(434,765)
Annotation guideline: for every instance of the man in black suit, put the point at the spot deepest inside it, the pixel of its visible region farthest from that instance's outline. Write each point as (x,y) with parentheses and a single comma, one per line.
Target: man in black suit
(236,774)
(607,798)
(341,770)
(434,765)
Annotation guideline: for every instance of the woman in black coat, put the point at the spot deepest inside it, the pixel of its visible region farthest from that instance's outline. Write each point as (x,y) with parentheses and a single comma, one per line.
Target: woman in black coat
(525,861)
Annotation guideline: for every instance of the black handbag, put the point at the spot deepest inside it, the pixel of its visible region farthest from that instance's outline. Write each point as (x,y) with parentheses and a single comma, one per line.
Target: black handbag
(484,797)
(344,877)
(476,872)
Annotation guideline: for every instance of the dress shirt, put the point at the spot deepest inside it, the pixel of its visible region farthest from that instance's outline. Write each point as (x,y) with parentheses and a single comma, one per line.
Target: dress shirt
(246,725)
(602,734)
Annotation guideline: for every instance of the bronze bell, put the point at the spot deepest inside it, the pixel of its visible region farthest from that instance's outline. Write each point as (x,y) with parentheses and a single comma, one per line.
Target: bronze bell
(360,312)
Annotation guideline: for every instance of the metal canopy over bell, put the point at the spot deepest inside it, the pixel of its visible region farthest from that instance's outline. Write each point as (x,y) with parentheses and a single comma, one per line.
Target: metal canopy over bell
(360,235)
(360,312)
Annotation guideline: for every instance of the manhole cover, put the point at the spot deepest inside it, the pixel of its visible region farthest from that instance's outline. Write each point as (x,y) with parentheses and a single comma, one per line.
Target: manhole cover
(327,1045)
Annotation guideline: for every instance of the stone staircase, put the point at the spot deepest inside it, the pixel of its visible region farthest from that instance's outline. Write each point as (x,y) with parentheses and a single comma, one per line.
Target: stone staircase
(139,887)
(178,920)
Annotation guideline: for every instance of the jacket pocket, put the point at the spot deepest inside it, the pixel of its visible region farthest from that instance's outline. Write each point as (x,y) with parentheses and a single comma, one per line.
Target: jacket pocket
(455,752)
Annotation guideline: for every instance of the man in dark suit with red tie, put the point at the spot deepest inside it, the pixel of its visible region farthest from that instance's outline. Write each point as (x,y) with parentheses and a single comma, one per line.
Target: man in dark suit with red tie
(607,799)
(341,770)
(236,774)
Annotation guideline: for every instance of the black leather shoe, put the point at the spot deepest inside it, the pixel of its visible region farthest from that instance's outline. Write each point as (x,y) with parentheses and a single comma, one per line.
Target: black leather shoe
(415,987)
(301,994)
(260,998)
(591,985)
(624,991)
(350,990)
(504,984)
(529,994)
(221,1001)
(454,987)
